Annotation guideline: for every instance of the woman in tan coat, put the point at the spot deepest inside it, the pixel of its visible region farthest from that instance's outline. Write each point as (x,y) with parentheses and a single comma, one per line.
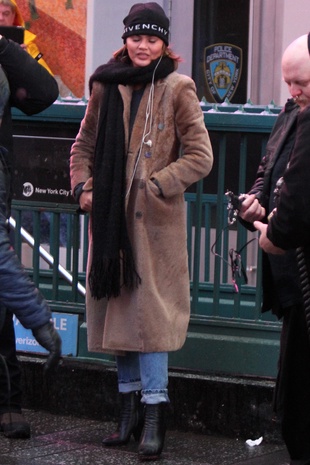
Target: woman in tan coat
(142,142)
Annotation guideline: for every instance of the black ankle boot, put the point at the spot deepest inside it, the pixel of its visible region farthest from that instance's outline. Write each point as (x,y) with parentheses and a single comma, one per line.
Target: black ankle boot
(130,422)
(154,430)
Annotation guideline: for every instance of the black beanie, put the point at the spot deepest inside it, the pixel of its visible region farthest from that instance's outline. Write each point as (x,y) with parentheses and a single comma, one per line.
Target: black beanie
(147,19)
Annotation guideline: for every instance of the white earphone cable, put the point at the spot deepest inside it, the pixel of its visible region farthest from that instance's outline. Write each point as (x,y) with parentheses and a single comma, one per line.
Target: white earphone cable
(148,117)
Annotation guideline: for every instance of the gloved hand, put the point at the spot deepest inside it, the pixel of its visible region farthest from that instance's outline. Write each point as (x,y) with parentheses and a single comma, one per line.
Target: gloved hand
(48,338)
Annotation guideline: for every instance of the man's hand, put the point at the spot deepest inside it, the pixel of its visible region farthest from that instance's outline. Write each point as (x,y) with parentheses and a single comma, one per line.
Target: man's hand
(264,242)
(251,210)
(86,201)
(48,338)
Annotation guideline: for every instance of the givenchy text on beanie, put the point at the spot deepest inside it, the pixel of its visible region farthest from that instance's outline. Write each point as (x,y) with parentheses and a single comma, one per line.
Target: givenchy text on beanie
(147,19)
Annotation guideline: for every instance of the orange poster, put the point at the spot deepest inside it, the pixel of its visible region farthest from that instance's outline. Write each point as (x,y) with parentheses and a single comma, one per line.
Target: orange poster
(60,28)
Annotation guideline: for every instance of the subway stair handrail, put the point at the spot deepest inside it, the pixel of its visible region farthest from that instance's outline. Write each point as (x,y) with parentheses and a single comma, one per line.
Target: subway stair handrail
(46,256)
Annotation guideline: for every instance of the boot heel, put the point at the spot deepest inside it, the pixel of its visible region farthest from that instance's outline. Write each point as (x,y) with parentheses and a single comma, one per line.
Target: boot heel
(154,430)
(130,421)
(138,429)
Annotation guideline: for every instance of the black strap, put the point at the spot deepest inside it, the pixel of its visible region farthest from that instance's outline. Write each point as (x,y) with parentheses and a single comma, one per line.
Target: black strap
(39,56)
(305,284)
(2,316)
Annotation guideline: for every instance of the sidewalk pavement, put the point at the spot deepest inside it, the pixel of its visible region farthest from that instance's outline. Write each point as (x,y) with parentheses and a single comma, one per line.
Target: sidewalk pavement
(68,440)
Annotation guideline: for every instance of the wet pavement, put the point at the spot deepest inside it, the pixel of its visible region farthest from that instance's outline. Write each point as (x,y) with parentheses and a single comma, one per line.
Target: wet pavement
(68,440)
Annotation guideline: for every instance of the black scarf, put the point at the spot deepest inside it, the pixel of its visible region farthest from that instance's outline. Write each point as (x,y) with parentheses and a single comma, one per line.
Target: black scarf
(113,263)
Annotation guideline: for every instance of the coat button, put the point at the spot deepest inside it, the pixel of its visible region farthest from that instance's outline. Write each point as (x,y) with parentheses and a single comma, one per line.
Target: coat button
(138,215)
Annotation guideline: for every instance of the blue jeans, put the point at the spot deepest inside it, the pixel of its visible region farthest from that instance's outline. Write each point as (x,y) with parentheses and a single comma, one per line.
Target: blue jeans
(147,372)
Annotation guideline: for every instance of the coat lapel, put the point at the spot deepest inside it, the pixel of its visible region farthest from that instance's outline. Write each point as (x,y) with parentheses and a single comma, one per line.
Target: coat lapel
(134,142)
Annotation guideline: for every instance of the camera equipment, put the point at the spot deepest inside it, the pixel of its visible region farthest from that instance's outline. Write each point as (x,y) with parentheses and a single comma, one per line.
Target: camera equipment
(234,205)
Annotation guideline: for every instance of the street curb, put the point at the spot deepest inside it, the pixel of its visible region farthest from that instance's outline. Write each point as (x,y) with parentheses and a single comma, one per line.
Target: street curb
(208,404)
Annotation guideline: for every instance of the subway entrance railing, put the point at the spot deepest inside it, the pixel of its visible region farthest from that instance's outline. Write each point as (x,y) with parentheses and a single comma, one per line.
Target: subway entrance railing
(227,332)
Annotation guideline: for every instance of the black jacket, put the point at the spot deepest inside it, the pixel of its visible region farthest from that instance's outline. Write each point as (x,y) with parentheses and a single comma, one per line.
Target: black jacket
(290,225)
(276,146)
(280,143)
(32,87)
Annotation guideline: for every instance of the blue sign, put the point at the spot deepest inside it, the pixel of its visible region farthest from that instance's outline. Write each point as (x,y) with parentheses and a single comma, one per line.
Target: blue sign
(67,326)
(223,66)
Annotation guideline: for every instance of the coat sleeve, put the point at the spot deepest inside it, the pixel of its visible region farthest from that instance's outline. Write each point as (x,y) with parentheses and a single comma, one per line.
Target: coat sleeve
(289,227)
(33,50)
(196,158)
(18,293)
(276,140)
(257,187)
(83,149)
(32,87)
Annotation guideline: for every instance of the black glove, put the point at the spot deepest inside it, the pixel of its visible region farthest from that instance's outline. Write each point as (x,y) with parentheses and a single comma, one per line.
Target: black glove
(48,338)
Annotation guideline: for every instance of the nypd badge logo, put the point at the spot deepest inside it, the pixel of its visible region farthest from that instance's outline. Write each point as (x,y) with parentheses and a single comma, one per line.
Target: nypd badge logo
(223,66)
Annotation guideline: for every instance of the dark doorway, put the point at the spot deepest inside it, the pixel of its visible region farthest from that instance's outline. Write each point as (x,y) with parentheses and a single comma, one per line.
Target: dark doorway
(220,55)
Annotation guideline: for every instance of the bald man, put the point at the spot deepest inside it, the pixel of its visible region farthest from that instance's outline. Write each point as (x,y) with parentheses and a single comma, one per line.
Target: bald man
(278,205)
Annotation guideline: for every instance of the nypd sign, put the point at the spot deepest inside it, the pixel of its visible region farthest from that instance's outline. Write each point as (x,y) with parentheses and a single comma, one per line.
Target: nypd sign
(223,66)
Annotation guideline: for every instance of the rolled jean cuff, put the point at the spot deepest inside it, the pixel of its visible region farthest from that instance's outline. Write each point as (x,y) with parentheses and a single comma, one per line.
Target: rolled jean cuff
(154,396)
(124,388)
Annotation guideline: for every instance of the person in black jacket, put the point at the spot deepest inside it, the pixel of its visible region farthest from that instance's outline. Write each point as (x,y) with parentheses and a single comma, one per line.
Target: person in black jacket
(278,206)
(26,85)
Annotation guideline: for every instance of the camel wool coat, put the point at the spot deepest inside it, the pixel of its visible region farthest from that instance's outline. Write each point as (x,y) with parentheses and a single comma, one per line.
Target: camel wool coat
(154,316)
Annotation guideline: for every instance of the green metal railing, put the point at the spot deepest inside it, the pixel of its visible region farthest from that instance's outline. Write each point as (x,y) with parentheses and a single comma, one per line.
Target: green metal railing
(225,120)
(56,259)
(224,323)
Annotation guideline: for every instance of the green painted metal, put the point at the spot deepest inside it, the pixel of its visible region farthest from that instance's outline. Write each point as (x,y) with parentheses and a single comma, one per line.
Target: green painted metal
(227,332)
(64,111)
